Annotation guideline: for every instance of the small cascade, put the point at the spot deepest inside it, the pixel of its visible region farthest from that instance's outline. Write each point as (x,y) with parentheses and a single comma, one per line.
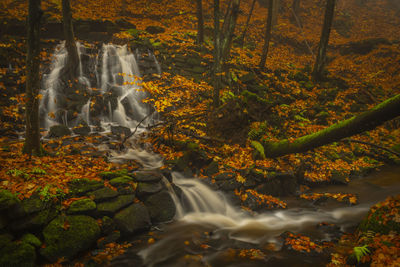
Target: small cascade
(106,92)
(158,67)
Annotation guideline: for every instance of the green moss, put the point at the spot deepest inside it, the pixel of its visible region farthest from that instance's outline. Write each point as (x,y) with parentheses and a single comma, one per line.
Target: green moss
(7,199)
(67,236)
(121,181)
(115,174)
(32,240)
(375,222)
(82,186)
(82,206)
(112,206)
(18,254)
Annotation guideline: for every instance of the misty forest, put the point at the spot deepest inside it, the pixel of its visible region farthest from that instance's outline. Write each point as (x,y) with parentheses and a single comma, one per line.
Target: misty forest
(200,133)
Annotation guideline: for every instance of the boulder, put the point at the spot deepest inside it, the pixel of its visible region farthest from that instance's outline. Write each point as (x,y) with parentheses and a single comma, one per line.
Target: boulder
(133,219)
(161,207)
(28,206)
(110,238)
(121,181)
(34,221)
(81,186)
(120,130)
(31,239)
(81,130)
(107,225)
(18,254)
(5,239)
(109,208)
(102,194)
(7,200)
(115,174)
(145,189)
(147,176)
(82,206)
(69,235)
(58,131)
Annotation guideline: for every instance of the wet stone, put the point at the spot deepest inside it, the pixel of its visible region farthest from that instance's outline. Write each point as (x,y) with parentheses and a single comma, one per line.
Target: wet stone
(82,206)
(109,208)
(144,189)
(161,207)
(149,177)
(103,194)
(133,219)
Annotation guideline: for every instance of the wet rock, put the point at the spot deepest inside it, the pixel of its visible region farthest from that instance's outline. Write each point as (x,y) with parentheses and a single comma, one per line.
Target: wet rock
(107,225)
(34,221)
(120,130)
(161,207)
(278,184)
(124,23)
(145,189)
(7,199)
(81,186)
(103,194)
(81,130)
(69,235)
(133,219)
(57,131)
(212,168)
(18,254)
(339,177)
(229,185)
(109,208)
(378,220)
(154,29)
(82,206)
(110,238)
(147,176)
(28,206)
(121,181)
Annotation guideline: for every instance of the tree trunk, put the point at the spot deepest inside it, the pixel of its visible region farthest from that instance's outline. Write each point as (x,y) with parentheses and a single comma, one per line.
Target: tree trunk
(72,66)
(32,140)
(246,27)
(217,55)
(275,11)
(323,44)
(365,121)
(296,12)
(200,22)
(267,37)
(228,36)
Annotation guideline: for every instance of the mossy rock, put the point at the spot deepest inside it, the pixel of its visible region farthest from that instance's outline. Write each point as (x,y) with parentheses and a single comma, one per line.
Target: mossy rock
(121,181)
(103,194)
(375,221)
(29,206)
(32,240)
(82,206)
(161,207)
(147,176)
(5,239)
(212,168)
(81,186)
(18,254)
(35,221)
(109,208)
(57,131)
(133,219)
(145,189)
(69,235)
(7,199)
(115,174)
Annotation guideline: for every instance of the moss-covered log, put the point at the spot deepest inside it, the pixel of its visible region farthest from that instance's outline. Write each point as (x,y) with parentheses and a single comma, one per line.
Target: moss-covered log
(366,121)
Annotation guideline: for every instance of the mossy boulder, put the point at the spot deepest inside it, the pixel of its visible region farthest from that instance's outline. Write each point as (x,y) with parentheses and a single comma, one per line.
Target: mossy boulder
(110,175)
(82,206)
(161,207)
(34,221)
(81,186)
(18,254)
(383,217)
(58,131)
(145,189)
(29,206)
(212,168)
(133,219)
(103,194)
(5,239)
(147,176)
(109,208)
(7,199)
(31,239)
(121,181)
(66,236)
(81,130)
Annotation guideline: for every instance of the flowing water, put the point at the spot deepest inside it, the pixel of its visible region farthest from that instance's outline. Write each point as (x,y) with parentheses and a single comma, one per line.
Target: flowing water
(207,230)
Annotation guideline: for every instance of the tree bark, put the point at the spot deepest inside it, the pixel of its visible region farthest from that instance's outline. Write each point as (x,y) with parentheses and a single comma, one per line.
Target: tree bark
(275,11)
(32,139)
(228,36)
(365,121)
(217,55)
(296,12)
(267,37)
(246,27)
(72,66)
(200,22)
(323,44)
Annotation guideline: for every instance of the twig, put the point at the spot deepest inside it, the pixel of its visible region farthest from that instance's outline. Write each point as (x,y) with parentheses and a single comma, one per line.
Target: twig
(137,126)
(207,138)
(373,145)
(302,33)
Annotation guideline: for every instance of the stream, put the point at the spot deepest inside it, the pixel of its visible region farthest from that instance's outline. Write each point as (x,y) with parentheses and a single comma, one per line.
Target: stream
(207,230)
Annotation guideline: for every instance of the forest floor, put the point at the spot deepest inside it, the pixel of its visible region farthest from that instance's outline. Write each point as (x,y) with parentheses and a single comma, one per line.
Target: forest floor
(277,103)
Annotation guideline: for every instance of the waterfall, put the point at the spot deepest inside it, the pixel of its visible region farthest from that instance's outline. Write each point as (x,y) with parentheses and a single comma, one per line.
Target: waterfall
(113,70)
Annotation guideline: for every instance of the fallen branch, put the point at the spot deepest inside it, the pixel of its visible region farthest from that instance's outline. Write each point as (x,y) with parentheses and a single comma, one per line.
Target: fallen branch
(207,138)
(373,145)
(137,126)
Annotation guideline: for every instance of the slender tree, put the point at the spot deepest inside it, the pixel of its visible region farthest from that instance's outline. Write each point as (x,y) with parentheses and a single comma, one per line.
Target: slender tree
(73,57)
(323,44)
(267,37)
(365,121)
(226,41)
(32,139)
(275,11)
(246,26)
(200,22)
(296,12)
(217,55)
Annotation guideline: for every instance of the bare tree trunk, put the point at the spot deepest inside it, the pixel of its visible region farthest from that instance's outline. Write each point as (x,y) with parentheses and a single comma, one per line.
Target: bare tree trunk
(217,56)
(323,44)
(296,12)
(267,37)
(200,22)
(228,36)
(275,12)
(32,139)
(246,27)
(73,58)
(365,121)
